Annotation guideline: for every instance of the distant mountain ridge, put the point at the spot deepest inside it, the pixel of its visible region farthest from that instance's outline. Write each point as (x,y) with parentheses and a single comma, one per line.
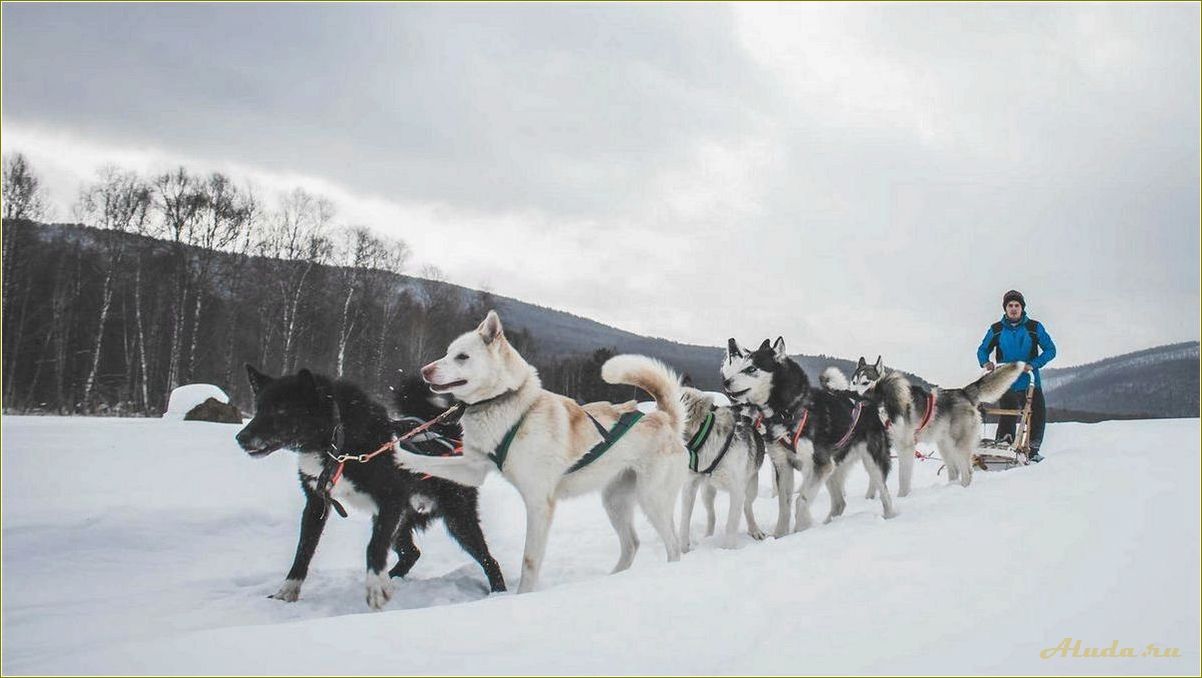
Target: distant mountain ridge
(1157,382)
(560,333)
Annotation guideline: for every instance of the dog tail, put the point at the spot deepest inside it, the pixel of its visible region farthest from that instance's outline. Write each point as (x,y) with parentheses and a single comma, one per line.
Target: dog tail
(894,394)
(994,385)
(833,379)
(653,377)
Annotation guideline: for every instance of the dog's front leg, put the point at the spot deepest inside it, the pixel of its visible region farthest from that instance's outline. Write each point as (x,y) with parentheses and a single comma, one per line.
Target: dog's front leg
(313,520)
(708,495)
(539,512)
(753,489)
(379,582)
(687,499)
(784,487)
(467,469)
(809,489)
(904,445)
(737,492)
(835,488)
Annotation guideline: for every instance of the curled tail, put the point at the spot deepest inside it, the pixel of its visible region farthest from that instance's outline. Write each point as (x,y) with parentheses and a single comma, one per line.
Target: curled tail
(833,379)
(994,385)
(653,377)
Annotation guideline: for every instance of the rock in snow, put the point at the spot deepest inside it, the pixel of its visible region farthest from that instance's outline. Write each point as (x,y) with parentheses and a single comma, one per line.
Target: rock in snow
(188,396)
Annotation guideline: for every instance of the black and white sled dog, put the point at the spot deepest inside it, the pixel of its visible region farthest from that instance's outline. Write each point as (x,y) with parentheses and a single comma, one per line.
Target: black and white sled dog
(549,447)
(795,414)
(948,418)
(725,453)
(323,420)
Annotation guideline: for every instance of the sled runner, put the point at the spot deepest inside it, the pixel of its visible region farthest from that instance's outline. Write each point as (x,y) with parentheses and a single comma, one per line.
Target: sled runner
(1005,454)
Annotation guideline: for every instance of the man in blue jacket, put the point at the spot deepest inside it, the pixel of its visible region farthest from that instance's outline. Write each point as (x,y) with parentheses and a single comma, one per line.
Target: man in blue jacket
(1017,337)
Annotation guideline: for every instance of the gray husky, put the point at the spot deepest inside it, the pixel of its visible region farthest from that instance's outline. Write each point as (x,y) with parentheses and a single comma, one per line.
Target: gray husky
(949,418)
(725,453)
(819,432)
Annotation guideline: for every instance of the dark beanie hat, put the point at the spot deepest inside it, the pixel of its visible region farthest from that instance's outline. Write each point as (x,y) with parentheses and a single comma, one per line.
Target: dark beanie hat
(1014,295)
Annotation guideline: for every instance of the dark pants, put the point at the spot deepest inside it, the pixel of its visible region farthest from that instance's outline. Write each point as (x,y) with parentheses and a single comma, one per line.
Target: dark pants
(1014,400)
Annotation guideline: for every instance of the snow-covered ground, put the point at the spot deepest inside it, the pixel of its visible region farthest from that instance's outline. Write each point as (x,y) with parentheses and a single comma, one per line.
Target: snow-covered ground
(150,546)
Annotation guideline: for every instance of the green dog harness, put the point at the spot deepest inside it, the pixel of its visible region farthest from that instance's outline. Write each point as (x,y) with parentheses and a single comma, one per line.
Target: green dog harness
(608,439)
(698,440)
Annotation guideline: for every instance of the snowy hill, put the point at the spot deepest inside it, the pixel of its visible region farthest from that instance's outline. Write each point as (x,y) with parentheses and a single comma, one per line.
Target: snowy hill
(1156,382)
(123,554)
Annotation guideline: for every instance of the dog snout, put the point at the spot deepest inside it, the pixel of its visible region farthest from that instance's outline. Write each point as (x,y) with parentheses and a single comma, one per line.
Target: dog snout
(428,372)
(246,439)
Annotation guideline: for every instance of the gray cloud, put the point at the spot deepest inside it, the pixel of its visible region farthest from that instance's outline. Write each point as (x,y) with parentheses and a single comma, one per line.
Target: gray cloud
(861,178)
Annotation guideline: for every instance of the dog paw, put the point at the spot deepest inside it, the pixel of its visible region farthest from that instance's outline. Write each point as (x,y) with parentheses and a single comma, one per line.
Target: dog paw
(890,514)
(289,591)
(757,534)
(379,590)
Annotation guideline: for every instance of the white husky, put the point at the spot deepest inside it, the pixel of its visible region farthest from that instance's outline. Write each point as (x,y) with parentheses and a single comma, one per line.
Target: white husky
(546,444)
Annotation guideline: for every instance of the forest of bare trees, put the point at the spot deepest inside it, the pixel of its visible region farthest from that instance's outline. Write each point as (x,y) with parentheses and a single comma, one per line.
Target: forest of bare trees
(180,278)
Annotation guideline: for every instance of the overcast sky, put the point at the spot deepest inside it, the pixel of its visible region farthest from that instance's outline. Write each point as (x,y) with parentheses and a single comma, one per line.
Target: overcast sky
(861,179)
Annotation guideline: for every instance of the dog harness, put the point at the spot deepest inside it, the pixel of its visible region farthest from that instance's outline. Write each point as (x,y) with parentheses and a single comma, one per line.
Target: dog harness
(855,419)
(926,416)
(331,475)
(796,435)
(698,441)
(608,439)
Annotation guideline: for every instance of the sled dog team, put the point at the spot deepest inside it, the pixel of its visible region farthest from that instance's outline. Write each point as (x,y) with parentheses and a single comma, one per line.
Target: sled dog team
(410,472)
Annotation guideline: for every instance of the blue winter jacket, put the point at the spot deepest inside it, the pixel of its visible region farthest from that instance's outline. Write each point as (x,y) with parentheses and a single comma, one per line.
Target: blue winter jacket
(1015,342)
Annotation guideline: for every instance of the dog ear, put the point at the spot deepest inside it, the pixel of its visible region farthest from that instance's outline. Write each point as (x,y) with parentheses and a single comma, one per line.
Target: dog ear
(732,349)
(491,328)
(766,346)
(258,380)
(862,362)
(880,364)
(779,348)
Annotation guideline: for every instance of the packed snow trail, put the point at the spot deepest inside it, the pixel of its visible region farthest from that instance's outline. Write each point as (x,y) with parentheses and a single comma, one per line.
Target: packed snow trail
(150,546)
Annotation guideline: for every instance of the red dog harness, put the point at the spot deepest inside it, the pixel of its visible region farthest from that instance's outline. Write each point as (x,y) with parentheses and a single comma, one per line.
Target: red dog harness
(796,436)
(855,419)
(927,416)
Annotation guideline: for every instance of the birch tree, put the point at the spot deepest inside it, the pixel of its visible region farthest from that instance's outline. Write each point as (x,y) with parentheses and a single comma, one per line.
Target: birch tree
(178,199)
(298,237)
(117,203)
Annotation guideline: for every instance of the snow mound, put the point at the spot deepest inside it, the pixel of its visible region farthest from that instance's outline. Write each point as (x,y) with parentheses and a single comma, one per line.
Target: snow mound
(188,396)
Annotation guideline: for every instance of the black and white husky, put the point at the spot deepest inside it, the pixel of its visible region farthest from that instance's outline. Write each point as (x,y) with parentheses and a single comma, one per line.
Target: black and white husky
(323,420)
(948,418)
(725,453)
(837,433)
